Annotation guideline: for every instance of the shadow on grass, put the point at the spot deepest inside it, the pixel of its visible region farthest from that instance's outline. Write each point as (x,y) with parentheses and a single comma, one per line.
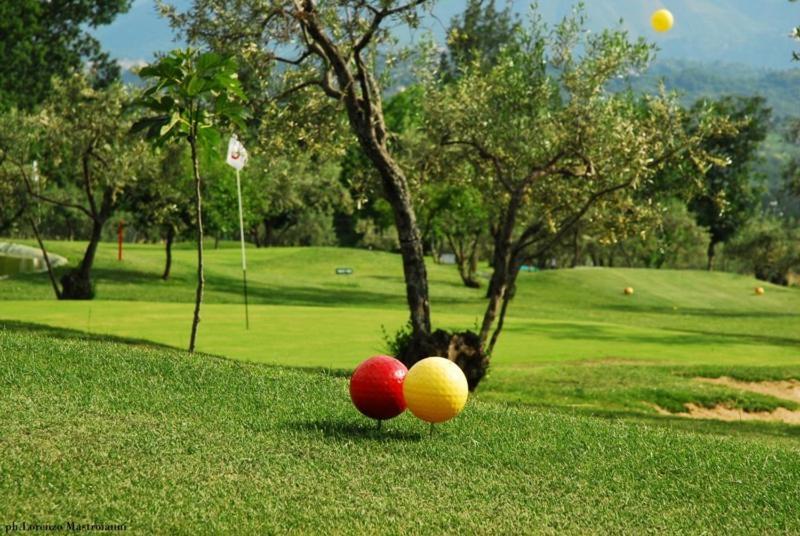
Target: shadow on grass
(351,430)
(671,336)
(696,311)
(742,338)
(180,287)
(73,334)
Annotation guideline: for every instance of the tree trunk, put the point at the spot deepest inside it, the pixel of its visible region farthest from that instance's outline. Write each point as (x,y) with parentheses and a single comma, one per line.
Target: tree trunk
(507,297)
(712,246)
(168,247)
(501,275)
(395,190)
(464,262)
(77,284)
(576,248)
(267,232)
(359,92)
(435,253)
(473,260)
(49,266)
(200,279)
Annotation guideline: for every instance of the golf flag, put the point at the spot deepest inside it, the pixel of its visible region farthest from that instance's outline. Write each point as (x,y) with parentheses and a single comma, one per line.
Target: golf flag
(237,158)
(237,154)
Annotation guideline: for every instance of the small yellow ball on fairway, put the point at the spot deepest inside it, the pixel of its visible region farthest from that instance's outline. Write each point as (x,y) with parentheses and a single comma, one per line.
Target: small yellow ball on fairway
(435,390)
(662,21)
(759,291)
(628,291)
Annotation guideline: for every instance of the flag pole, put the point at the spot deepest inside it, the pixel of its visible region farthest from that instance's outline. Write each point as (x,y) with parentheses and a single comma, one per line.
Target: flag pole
(244,256)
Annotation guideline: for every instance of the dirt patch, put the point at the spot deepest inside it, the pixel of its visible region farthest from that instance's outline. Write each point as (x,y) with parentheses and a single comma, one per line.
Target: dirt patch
(785,389)
(723,413)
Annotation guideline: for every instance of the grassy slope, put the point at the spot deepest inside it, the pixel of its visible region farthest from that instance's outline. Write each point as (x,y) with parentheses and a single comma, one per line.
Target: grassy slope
(96,431)
(678,324)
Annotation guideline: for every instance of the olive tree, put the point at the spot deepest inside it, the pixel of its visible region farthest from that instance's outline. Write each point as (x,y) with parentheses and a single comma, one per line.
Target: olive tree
(156,201)
(549,143)
(458,214)
(87,159)
(15,155)
(327,54)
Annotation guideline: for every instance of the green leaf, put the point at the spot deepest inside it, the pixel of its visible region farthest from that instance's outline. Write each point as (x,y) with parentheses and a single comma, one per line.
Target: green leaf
(148,123)
(208,61)
(210,138)
(174,119)
(195,86)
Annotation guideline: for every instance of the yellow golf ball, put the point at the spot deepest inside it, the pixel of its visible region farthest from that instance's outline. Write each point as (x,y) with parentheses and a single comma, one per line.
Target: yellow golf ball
(662,20)
(435,390)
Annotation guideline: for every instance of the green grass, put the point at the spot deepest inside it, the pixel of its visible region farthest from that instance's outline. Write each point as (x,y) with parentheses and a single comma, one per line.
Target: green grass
(572,339)
(100,431)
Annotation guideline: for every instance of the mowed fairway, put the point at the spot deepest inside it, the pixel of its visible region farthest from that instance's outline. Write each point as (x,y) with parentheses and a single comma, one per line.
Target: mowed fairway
(96,431)
(573,340)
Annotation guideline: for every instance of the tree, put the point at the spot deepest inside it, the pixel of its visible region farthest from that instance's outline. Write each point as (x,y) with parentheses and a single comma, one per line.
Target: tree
(729,198)
(768,248)
(15,154)
(156,200)
(458,214)
(42,39)
(666,237)
(192,95)
(549,142)
(295,199)
(369,225)
(478,34)
(329,50)
(87,159)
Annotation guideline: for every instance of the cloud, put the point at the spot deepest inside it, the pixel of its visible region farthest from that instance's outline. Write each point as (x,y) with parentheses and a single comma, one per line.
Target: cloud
(130,63)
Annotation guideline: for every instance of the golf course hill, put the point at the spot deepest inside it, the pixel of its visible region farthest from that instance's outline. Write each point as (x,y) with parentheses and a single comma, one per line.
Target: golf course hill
(103,430)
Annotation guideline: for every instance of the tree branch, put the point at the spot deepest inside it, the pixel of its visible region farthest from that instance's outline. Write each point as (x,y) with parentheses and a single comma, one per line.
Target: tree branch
(46,199)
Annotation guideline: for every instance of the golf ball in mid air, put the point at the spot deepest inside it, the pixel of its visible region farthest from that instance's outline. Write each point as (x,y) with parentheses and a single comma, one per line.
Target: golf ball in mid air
(435,389)
(376,387)
(662,21)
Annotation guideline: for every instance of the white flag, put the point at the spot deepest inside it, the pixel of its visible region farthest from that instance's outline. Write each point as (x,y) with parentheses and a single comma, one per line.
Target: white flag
(237,154)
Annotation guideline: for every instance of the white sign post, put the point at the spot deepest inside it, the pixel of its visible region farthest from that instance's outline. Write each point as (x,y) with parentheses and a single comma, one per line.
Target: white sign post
(237,158)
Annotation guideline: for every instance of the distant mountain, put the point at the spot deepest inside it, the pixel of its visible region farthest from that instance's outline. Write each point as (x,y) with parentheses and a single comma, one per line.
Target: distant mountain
(781,89)
(695,80)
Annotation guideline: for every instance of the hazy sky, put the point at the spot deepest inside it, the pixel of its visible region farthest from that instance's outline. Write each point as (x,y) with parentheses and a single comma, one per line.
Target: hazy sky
(754,32)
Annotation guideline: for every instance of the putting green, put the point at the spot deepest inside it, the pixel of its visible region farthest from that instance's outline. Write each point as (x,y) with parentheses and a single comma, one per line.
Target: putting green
(341,337)
(572,338)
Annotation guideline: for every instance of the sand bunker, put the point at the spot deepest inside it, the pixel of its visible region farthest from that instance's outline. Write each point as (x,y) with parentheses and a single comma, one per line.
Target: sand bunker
(784,389)
(723,413)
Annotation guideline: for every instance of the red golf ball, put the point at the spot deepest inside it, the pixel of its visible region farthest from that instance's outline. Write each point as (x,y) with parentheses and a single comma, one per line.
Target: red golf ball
(376,387)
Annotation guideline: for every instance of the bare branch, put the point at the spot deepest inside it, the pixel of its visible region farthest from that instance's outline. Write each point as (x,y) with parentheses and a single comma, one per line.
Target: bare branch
(496,161)
(378,19)
(569,222)
(46,199)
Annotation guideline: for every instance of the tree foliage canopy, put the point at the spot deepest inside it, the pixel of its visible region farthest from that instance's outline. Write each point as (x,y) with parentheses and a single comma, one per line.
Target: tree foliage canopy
(730,195)
(42,39)
(549,144)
